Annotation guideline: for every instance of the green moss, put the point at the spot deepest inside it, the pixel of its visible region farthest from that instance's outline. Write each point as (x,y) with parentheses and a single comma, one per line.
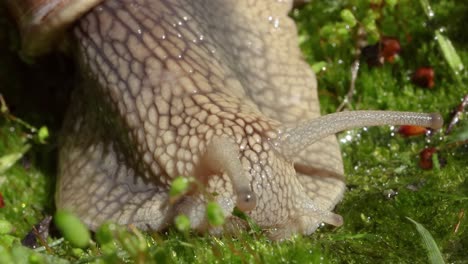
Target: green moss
(385,183)
(25,189)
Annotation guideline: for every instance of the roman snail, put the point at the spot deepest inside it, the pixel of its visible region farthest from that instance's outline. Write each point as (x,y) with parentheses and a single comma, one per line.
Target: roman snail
(212,89)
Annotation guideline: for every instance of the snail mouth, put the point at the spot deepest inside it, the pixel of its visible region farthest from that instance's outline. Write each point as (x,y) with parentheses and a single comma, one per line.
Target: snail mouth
(292,206)
(317,215)
(305,223)
(310,214)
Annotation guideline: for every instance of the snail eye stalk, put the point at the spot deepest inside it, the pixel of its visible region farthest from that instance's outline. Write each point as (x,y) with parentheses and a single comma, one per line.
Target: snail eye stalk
(222,155)
(298,138)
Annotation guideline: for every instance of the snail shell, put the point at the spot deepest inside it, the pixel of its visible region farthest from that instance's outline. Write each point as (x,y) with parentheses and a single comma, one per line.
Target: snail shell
(41,22)
(214,90)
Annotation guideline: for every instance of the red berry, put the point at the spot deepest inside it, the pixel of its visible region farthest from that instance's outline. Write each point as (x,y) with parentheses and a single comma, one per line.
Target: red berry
(425,158)
(424,77)
(384,51)
(409,131)
(390,47)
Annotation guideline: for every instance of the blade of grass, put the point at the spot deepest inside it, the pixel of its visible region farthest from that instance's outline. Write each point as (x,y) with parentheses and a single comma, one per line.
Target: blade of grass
(450,54)
(427,8)
(8,160)
(433,252)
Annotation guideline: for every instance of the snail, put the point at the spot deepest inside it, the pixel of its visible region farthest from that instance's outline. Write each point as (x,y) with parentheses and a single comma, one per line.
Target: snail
(215,90)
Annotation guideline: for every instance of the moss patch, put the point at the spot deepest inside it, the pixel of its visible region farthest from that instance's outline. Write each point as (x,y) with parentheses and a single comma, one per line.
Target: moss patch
(385,183)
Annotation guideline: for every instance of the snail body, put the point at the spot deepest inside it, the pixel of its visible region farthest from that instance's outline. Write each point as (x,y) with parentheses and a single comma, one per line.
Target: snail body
(214,90)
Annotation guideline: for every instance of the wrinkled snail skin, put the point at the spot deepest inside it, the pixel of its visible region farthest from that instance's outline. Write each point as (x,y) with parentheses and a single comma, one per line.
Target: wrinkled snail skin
(210,89)
(161,81)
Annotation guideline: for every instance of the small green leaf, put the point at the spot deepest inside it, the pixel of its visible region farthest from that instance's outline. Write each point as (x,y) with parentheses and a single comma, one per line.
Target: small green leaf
(35,258)
(348,17)
(179,186)
(8,240)
(391,3)
(319,66)
(105,233)
(342,30)
(7,161)
(182,223)
(373,36)
(5,227)
(450,54)
(327,31)
(106,237)
(371,28)
(434,255)
(214,214)
(5,256)
(43,134)
(72,229)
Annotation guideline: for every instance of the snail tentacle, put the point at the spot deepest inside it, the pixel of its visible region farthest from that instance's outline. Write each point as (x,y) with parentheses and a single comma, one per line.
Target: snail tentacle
(296,139)
(223,155)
